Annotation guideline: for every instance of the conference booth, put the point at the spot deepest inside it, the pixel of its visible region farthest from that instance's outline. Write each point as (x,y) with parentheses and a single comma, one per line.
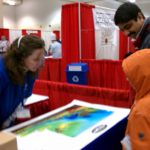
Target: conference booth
(96,42)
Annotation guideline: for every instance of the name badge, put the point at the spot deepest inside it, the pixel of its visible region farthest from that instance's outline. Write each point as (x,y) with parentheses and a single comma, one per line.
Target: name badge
(23,113)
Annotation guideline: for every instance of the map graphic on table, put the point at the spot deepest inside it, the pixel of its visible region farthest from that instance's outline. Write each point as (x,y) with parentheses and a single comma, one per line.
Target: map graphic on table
(71,121)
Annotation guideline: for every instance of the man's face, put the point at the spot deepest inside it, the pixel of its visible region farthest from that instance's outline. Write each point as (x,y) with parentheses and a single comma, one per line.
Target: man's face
(132,27)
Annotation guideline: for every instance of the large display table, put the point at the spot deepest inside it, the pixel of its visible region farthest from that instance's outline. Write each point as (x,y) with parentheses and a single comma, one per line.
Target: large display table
(78,125)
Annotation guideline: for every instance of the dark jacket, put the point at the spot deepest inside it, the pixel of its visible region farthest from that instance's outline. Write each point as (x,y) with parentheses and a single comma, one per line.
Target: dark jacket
(143,39)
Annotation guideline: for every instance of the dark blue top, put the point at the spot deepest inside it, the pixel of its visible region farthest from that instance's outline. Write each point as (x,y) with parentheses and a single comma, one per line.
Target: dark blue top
(11,95)
(143,39)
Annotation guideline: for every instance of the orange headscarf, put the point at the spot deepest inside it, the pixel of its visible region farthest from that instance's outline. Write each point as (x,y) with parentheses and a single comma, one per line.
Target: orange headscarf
(137,70)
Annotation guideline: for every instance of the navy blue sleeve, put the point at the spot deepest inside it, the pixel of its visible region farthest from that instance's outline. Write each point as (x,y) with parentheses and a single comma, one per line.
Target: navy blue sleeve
(3,82)
(1,85)
(28,86)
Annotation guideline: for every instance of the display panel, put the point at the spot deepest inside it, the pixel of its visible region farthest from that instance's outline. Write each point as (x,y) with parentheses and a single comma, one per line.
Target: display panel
(72,126)
(71,121)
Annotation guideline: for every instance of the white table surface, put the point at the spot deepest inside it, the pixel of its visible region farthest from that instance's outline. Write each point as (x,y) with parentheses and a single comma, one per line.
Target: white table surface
(46,57)
(34,98)
(45,140)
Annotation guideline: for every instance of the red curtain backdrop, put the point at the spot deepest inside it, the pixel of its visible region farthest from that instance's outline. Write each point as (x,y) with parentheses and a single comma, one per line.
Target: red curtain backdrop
(123,46)
(4,32)
(39,108)
(87,32)
(54,69)
(62,93)
(51,70)
(35,32)
(44,71)
(57,33)
(70,34)
(106,73)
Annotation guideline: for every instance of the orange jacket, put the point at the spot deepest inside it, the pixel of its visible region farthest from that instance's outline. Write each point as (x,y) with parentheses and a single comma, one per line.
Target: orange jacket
(137,70)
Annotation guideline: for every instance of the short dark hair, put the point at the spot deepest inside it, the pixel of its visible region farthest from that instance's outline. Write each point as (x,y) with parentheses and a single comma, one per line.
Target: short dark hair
(17,52)
(126,12)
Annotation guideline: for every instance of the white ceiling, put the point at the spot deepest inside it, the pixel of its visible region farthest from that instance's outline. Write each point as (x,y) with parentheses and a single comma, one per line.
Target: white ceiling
(44,11)
(111,1)
(113,4)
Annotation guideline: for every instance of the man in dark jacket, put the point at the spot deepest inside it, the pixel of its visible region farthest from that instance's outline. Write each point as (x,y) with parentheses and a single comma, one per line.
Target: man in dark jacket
(131,20)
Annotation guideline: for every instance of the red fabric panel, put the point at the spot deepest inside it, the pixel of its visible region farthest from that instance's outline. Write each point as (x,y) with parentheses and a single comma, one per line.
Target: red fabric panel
(36,109)
(62,93)
(44,72)
(70,35)
(41,87)
(35,32)
(38,33)
(57,33)
(106,73)
(51,70)
(87,32)
(24,32)
(39,108)
(123,46)
(54,69)
(4,32)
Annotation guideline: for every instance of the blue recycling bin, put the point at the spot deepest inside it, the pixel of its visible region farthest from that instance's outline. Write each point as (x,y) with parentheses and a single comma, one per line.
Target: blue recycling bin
(77,73)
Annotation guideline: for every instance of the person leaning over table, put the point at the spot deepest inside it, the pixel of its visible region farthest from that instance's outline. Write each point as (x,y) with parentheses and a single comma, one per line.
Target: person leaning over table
(132,22)
(137,70)
(18,70)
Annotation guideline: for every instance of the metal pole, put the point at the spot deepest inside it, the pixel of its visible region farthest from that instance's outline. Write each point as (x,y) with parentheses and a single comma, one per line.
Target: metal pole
(79,20)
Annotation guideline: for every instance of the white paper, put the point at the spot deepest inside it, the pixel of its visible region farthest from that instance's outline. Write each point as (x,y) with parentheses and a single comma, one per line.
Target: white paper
(34,98)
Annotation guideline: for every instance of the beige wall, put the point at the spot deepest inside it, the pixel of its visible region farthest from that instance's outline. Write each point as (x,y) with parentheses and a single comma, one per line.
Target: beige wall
(9,17)
(39,14)
(1,14)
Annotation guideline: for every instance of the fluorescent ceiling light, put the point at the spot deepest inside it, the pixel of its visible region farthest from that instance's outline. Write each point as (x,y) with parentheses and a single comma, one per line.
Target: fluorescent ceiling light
(132,1)
(12,2)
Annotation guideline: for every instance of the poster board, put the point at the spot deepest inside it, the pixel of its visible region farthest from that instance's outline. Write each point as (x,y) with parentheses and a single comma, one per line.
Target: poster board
(106,34)
(72,126)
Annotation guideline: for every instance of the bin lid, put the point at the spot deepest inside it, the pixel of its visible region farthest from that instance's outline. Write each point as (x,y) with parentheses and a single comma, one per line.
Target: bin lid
(77,67)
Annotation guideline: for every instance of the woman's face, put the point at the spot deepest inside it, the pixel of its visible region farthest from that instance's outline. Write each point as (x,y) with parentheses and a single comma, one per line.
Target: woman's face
(35,60)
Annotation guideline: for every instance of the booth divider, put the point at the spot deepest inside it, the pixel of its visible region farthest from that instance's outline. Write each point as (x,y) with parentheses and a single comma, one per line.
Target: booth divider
(63,93)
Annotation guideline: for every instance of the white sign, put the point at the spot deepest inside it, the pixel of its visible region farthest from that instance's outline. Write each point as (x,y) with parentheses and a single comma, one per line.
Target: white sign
(103,18)
(32,32)
(106,34)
